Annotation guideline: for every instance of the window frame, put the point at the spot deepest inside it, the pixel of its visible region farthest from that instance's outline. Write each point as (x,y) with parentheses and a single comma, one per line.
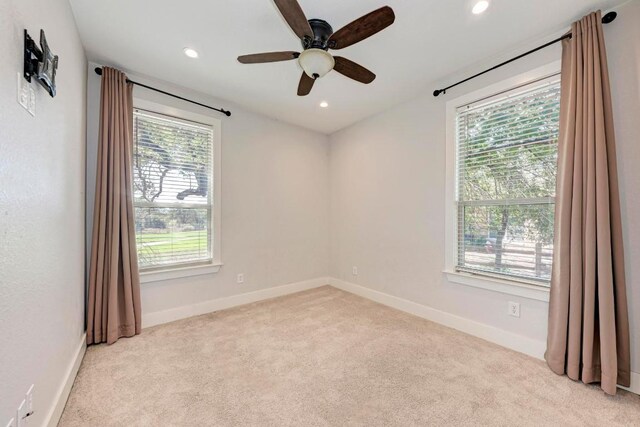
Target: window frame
(155,274)
(508,285)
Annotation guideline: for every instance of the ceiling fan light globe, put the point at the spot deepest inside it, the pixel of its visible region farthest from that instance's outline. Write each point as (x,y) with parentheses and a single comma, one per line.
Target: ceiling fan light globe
(316,62)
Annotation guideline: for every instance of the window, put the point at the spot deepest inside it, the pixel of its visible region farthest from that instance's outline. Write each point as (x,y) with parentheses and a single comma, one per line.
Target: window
(505,175)
(174,192)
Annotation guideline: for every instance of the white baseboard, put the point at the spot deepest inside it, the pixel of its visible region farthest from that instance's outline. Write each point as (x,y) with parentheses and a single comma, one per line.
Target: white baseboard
(151,319)
(492,334)
(498,336)
(635,383)
(172,314)
(60,401)
(495,335)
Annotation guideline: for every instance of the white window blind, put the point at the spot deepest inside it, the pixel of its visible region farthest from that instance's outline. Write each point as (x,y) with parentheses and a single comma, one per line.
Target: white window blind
(173,186)
(506,178)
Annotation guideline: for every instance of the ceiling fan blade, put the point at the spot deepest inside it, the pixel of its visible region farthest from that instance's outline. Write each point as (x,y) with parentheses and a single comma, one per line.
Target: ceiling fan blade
(363,27)
(352,70)
(258,58)
(305,85)
(293,14)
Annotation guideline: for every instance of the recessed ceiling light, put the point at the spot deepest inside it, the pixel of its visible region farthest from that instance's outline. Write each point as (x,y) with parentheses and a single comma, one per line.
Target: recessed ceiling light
(191,53)
(480,7)
(324,104)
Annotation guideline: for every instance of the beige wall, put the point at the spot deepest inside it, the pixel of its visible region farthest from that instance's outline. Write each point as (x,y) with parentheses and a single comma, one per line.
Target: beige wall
(293,206)
(275,214)
(388,189)
(41,211)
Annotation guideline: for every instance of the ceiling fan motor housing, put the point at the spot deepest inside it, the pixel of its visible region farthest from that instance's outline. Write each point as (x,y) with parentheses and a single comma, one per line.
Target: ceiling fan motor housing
(322,31)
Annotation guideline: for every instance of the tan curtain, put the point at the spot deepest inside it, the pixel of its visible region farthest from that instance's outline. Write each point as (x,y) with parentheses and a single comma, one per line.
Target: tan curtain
(588,321)
(114,285)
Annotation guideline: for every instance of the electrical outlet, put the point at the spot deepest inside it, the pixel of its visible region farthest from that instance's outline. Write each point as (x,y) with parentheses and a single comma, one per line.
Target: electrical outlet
(354,270)
(240,278)
(21,414)
(29,398)
(514,309)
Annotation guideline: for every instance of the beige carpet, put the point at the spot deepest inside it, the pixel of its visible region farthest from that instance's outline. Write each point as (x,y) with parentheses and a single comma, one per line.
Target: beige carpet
(325,357)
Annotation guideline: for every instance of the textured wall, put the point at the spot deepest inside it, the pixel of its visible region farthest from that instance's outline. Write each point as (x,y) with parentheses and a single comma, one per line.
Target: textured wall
(275,201)
(388,192)
(41,210)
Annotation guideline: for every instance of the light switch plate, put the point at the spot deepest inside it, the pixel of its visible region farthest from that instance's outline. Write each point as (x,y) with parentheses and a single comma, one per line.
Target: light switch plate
(240,278)
(26,95)
(23,92)
(32,101)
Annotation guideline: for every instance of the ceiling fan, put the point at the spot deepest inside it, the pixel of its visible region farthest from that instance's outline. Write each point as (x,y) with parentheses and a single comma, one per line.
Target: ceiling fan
(317,38)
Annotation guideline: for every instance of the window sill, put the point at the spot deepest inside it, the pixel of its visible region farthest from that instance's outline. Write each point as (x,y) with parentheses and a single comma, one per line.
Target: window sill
(177,273)
(510,287)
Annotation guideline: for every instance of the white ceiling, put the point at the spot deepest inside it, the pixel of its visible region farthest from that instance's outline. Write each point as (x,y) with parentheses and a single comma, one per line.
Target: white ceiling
(429,40)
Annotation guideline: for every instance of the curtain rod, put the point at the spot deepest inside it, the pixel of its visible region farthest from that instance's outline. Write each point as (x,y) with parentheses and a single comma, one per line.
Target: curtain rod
(98,71)
(606,19)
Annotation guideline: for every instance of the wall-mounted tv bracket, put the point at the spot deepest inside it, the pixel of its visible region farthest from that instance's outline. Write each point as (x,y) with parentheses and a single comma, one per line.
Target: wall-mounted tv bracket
(40,62)
(32,56)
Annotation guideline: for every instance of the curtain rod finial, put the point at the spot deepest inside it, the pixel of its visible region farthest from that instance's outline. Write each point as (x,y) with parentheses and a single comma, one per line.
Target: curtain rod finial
(609,17)
(98,71)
